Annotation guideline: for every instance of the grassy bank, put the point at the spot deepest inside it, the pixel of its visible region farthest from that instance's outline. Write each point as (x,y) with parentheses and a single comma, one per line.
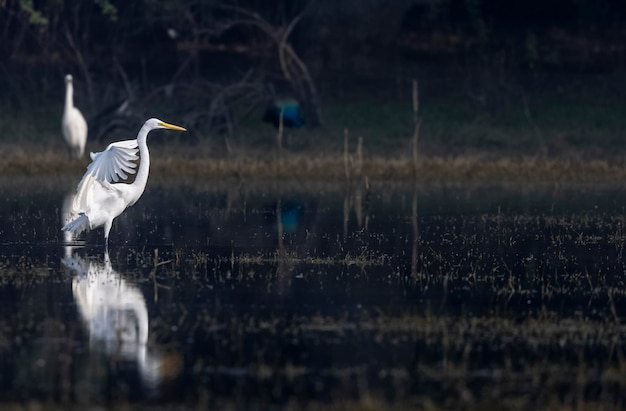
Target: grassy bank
(460,168)
(555,141)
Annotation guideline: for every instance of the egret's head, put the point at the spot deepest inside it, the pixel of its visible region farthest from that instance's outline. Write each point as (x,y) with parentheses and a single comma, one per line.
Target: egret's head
(68,78)
(156,123)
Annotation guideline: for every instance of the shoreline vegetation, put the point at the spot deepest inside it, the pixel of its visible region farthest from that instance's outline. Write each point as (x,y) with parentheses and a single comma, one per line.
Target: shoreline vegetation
(175,162)
(447,141)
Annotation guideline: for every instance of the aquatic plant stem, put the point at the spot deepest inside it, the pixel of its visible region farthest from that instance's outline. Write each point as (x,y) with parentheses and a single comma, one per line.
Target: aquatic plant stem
(417,121)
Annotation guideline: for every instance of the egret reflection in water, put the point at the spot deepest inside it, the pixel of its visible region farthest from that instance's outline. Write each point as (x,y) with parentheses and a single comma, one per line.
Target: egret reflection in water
(115,313)
(67,215)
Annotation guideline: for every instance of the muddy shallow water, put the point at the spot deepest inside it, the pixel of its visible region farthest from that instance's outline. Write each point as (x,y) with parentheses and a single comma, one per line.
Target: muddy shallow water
(286,295)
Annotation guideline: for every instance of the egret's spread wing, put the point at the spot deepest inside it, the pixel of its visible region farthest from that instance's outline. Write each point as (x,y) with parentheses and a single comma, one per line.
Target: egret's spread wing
(114,163)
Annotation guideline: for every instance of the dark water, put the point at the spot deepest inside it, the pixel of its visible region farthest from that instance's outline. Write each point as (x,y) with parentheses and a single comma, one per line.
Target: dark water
(287,295)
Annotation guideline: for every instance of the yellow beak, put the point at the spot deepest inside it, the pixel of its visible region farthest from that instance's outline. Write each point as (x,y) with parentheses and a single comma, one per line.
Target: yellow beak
(171,126)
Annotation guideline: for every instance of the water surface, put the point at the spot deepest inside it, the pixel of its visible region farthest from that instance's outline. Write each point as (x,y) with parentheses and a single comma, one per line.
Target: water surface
(281,294)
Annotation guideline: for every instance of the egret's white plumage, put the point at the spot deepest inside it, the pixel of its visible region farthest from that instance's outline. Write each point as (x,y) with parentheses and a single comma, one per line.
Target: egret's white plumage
(115,312)
(100,197)
(73,123)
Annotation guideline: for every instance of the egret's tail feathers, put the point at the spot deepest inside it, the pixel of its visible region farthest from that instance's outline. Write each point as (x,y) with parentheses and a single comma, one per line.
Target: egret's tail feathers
(78,225)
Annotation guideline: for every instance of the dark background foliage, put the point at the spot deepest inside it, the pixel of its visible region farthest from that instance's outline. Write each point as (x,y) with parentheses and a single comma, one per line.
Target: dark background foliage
(213,63)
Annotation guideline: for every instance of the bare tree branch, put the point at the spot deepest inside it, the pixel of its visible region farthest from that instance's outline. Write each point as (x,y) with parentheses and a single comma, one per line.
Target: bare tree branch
(82,64)
(294,70)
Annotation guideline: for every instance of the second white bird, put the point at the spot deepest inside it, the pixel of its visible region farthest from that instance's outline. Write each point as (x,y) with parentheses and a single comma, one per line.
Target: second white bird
(73,123)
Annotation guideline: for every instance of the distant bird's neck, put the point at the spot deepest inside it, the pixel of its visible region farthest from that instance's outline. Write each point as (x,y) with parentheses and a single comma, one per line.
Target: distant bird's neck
(69,96)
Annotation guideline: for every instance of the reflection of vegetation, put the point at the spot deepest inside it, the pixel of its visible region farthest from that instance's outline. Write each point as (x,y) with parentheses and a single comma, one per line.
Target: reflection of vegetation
(514,295)
(363,260)
(515,308)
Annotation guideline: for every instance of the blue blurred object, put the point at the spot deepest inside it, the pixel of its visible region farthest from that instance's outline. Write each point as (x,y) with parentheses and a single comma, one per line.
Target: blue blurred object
(292,116)
(290,216)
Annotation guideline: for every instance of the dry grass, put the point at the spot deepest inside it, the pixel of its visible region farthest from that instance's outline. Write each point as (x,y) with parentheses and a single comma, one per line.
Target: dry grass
(196,162)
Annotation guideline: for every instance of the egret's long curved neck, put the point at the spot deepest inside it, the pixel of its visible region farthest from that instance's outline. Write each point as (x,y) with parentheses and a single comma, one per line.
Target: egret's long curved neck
(144,159)
(69,95)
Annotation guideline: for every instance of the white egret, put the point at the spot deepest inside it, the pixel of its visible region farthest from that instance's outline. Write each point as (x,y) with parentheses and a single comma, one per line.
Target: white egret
(73,123)
(100,197)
